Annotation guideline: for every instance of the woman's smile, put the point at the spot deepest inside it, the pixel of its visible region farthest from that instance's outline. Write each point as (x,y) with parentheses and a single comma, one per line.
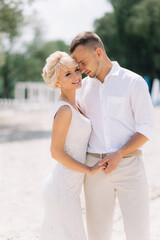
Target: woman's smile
(77,82)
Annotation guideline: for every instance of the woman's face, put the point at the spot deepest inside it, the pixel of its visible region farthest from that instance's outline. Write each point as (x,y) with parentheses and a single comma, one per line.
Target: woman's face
(70,78)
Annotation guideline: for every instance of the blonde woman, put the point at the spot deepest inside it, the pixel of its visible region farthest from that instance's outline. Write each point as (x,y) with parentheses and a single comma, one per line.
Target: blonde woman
(70,134)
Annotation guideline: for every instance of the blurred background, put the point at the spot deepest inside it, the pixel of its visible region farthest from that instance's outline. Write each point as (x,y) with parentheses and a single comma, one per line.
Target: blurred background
(30,30)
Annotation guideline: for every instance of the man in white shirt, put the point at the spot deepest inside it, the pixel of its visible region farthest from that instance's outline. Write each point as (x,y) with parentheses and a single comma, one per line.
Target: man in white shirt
(118,104)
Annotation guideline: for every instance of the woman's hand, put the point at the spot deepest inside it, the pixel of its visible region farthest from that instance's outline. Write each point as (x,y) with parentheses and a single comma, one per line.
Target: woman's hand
(96,168)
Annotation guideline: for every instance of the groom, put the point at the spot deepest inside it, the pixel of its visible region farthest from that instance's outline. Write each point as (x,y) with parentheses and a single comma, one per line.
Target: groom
(118,103)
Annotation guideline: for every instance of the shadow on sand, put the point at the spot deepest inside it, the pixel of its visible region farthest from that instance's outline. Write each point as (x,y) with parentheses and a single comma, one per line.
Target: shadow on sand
(15,134)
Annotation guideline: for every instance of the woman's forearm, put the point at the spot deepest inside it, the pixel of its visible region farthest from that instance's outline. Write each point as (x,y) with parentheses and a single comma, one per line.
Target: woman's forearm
(69,162)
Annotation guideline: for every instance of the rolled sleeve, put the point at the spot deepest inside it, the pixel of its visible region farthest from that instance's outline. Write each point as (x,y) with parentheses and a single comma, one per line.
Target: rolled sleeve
(146,131)
(142,107)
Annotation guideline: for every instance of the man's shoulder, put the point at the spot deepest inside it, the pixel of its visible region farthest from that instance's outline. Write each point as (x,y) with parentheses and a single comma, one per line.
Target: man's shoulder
(131,77)
(130,74)
(134,80)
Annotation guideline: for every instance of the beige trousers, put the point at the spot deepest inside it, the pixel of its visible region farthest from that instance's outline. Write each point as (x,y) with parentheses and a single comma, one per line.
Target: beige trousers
(127,182)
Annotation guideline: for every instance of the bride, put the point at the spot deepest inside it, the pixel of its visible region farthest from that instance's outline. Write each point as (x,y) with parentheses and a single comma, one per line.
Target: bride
(70,134)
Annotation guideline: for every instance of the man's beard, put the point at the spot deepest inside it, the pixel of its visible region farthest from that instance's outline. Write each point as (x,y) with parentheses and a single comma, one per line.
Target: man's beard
(96,71)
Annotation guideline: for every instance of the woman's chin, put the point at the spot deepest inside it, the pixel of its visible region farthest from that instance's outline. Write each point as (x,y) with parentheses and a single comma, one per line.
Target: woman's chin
(79,85)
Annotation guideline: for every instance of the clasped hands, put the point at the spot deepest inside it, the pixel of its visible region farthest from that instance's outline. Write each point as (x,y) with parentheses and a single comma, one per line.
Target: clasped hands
(110,162)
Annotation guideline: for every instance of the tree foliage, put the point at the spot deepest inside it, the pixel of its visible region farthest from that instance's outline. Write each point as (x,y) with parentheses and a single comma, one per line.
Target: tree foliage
(10,18)
(131,35)
(26,66)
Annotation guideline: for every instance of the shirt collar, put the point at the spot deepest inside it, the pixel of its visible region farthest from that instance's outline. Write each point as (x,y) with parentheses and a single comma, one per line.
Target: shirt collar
(114,70)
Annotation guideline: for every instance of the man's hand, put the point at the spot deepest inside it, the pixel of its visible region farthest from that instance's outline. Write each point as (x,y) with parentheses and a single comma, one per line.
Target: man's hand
(111,162)
(96,168)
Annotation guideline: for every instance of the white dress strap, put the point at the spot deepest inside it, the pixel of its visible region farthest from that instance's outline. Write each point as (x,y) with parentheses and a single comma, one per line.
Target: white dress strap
(59,104)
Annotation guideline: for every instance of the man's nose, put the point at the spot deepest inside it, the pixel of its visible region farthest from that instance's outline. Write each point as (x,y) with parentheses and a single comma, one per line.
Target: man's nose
(82,69)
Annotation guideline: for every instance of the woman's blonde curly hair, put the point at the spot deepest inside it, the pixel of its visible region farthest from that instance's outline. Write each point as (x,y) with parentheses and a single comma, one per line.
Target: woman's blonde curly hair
(54,63)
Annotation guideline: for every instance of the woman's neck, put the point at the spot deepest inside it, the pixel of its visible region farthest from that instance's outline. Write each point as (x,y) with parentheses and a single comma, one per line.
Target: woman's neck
(70,98)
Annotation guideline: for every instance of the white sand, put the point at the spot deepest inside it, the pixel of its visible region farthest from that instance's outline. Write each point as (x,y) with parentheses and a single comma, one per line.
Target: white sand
(25,162)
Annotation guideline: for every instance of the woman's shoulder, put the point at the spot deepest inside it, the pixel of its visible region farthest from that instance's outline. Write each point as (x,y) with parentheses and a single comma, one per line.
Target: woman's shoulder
(62,110)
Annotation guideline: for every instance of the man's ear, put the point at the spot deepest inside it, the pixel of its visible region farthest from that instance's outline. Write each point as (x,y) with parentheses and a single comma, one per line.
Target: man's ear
(98,52)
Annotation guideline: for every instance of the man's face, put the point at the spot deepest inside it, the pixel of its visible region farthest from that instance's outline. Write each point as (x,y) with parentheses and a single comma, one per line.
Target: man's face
(87,60)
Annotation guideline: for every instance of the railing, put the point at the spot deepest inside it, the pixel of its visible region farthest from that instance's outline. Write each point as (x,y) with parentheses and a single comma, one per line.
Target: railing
(44,103)
(23,104)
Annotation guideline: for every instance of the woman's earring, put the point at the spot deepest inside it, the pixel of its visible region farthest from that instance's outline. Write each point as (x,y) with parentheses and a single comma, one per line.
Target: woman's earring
(58,85)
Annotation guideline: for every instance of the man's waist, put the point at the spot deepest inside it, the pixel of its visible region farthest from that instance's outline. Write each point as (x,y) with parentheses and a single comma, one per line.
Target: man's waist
(137,152)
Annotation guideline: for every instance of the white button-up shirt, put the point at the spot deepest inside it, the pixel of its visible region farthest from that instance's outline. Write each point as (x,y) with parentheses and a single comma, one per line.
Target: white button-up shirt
(118,108)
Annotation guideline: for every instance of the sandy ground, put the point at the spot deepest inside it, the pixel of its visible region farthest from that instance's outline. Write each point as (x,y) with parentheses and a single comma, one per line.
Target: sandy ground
(25,162)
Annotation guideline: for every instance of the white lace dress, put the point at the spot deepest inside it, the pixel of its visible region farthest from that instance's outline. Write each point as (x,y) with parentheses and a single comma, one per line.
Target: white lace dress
(63,214)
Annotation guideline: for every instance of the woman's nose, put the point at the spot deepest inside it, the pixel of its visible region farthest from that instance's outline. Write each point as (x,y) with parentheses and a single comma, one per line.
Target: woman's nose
(77,74)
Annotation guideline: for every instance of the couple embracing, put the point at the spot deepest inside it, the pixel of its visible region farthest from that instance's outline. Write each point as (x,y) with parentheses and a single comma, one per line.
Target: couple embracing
(99,127)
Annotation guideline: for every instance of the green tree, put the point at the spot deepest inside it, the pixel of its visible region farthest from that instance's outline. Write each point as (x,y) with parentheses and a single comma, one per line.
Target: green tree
(27,66)
(11,19)
(50,47)
(143,25)
(131,35)
(107,28)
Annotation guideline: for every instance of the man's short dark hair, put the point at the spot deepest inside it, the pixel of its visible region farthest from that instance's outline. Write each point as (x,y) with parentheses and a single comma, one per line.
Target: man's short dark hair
(87,39)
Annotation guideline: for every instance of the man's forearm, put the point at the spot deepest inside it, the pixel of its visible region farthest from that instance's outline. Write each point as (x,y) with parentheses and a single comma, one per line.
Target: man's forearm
(136,141)
(112,160)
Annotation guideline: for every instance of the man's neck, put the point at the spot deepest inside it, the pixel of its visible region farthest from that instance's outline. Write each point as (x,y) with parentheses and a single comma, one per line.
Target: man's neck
(105,69)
